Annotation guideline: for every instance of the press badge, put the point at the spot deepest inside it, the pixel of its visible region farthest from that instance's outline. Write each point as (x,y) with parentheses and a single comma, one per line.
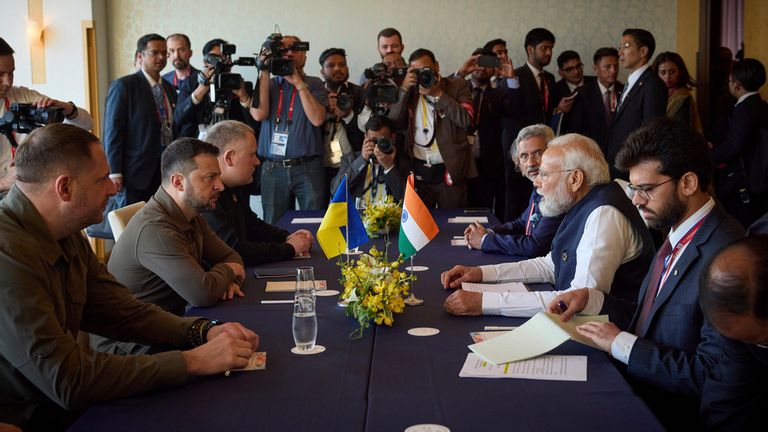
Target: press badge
(279,143)
(433,157)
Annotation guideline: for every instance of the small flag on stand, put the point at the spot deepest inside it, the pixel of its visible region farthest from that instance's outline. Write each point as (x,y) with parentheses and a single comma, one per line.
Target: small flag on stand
(417,228)
(341,228)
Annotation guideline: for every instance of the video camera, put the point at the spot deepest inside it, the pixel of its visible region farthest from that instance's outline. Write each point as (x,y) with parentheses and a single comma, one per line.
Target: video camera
(224,81)
(24,118)
(272,51)
(382,92)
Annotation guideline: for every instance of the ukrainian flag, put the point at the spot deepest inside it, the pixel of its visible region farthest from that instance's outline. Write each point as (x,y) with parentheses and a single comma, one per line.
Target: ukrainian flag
(341,219)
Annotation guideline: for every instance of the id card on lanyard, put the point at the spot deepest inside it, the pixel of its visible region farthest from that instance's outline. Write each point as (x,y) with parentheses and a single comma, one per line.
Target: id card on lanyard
(279,143)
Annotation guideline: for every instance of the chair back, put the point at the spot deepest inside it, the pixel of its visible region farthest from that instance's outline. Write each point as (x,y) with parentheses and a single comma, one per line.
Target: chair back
(118,219)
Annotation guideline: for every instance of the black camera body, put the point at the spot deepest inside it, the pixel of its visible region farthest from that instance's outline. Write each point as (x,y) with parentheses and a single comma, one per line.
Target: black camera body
(382,91)
(384,144)
(272,50)
(224,81)
(344,99)
(25,117)
(425,77)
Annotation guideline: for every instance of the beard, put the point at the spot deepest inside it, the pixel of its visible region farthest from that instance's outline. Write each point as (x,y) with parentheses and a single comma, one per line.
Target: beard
(667,216)
(179,64)
(557,203)
(193,201)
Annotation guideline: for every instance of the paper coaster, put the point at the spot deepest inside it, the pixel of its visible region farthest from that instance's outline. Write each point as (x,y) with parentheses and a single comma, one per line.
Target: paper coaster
(423,331)
(326,293)
(417,268)
(316,350)
(427,428)
(342,304)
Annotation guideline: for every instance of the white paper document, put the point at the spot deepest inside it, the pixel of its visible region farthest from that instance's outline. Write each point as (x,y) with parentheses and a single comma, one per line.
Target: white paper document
(548,367)
(468,219)
(539,335)
(499,287)
(306,220)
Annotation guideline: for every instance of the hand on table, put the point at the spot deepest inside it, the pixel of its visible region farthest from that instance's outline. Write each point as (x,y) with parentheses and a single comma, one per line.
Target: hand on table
(575,301)
(234,289)
(464,303)
(237,331)
(474,235)
(458,274)
(221,353)
(239,271)
(602,334)
(300,243)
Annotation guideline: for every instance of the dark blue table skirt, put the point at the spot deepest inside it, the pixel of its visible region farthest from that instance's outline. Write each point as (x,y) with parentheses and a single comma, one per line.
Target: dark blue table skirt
(387,381)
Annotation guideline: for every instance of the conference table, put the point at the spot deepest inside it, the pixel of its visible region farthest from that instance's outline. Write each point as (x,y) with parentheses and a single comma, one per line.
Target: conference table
(386,381)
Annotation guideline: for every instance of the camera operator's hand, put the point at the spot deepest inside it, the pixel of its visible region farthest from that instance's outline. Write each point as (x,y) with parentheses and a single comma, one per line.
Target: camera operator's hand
(469,66)
(410,79)
(205,86)
(385,160)
(368,148)
(507,70)
(67,107)
(241,92)
(295,78)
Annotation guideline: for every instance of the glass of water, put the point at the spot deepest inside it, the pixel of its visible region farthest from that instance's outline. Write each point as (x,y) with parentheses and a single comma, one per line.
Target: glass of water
(304,315)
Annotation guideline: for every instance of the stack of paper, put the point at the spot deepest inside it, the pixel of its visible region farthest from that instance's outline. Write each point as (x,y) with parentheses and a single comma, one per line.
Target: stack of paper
(549,367)
(500,287)
(539,335)
(468,219)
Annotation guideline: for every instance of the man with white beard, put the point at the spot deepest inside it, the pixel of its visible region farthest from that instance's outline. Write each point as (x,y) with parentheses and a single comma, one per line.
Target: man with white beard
(602,242)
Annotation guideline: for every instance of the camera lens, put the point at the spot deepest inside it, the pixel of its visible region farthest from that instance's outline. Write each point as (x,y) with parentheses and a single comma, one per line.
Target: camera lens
(384,144)
(426,78)
(344,101)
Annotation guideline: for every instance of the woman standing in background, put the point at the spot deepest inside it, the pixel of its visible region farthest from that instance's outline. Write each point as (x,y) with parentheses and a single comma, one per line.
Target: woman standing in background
(680,106)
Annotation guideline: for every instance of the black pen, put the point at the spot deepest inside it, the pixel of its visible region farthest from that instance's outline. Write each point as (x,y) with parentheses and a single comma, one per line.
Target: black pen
(562,306)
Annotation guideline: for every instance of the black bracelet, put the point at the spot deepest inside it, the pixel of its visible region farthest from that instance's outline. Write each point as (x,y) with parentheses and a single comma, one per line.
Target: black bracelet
(195,331)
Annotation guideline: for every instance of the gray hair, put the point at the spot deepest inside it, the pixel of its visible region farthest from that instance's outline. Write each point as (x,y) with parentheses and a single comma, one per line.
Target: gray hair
(584,154)
(537,130)
(225,132)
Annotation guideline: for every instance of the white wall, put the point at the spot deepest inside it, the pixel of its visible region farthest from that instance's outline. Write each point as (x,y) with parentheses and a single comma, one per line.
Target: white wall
(64,54)
(451,28)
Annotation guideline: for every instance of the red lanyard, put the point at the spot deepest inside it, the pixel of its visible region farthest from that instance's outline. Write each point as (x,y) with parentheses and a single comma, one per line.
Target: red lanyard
(175,81)
(8,108)
(280,106)
(530,215)
(678,247)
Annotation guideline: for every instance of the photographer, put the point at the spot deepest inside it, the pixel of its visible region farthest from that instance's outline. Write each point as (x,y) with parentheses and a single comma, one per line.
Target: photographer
(437,111)
(395,63)
(345,100)
(379,169)
(10,94)
(292,109)
(195,107)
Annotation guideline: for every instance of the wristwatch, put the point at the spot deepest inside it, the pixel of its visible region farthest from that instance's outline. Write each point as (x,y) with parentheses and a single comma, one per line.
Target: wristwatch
(198,331)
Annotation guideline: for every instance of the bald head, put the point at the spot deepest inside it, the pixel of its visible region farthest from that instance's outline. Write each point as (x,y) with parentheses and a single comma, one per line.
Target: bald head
(734,290)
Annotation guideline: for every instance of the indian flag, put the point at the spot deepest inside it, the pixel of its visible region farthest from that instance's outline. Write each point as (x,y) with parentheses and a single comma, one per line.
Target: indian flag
(417,227)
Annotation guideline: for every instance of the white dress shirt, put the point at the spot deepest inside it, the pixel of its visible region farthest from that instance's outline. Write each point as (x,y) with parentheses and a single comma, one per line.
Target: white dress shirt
(607,242)
(622,345)
(631,80)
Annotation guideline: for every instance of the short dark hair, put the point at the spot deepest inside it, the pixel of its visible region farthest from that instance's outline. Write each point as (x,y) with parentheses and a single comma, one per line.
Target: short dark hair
(5,49)
(483,51)
(376,123)
(750,73)
(677,146)
(604,52)
(740,291)
(537,36)
(180,156)
(143,41)
(685,79)
(421,52)
(389,32)
(643,38)
(329,52)
(211,44)
(49,150)
(492,43)
(567,56)
(180,36)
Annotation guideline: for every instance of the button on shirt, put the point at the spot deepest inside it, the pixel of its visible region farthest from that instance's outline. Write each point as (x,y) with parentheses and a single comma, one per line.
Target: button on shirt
(608,241)
(622,345)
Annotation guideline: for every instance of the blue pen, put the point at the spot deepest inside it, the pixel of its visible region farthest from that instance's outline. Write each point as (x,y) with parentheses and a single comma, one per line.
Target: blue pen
(562,306)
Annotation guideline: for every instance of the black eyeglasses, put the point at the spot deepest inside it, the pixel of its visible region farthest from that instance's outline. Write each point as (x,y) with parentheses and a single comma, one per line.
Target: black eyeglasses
(571,69)
(643,191)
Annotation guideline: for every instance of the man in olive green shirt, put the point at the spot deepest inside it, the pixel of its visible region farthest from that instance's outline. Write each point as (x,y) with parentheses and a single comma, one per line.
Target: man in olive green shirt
(52,286)
(163,253)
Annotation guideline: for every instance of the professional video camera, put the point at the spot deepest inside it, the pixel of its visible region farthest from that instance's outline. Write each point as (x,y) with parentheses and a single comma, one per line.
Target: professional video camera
(272,52)
(224,81)
(382,92)
(24,118)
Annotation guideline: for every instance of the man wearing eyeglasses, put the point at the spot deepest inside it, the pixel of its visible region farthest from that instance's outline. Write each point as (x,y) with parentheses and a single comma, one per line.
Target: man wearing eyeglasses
(571,71)
(138,123)
(602,242)
(668,346)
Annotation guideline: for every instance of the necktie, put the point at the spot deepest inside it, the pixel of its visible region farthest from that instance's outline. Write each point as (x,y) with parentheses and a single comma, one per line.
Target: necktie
(476,101)
(544,90)
(157,92)
(608,102)
(653,284)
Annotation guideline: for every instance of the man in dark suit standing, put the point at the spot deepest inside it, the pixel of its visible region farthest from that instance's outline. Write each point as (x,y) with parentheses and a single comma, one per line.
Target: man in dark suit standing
(138,124)
(571,71)
(668,347)
(644,97)
(736,156)
(733,292)
(596,104)
(536,88)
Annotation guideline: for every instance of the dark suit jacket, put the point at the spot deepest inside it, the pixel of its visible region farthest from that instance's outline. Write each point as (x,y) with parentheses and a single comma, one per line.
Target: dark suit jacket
(677,346)
(734,397)
(647,99)
(743,135)
(529,101)
(132,137)
(587,117)
(355,167)
(451,123)
(496,105)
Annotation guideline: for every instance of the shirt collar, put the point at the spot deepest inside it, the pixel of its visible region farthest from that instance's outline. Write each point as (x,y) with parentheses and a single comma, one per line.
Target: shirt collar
(675,235)
(636,74)
(151,80)
(744,96)
(32,222)
(175,214)
(573,87)
(604,89)
(533,69)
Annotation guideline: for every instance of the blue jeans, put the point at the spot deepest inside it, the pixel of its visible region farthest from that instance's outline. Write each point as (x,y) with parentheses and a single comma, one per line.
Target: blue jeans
(282,186)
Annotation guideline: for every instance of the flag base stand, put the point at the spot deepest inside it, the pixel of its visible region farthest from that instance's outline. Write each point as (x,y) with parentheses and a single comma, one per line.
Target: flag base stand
(412,300)
(354,251)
